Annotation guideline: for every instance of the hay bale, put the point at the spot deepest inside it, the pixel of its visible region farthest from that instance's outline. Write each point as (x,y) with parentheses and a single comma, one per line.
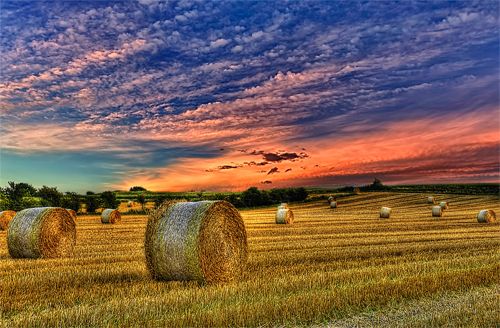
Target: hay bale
(41,232)
(283,205)
(333,204)
(130,203)
(431,200)
(111,216)
(204,241)
(444,205)
(385,212)
(357,191)
(72,213)
(284,216)
(437,211)
(5,218)
(486,216)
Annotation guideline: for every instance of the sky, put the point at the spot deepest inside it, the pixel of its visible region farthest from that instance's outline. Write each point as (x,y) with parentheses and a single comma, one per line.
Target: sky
(212,95)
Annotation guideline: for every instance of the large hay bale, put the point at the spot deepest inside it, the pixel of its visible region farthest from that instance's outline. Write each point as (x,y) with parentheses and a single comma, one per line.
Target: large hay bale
(284,216)
(486,216)
(204,241)
(111,216)
(437,211)
(444,205)
(385,212)
(333,204)
(431,200)
(72,213)
(41,232)
(5,218)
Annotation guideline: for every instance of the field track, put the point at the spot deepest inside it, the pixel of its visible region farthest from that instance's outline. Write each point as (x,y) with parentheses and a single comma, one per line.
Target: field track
(336,267)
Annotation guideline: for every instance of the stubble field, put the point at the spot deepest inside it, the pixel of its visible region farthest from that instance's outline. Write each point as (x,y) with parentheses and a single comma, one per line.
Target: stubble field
(340,267)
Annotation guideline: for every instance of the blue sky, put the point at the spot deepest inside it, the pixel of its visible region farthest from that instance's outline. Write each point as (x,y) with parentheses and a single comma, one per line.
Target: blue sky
(189,95)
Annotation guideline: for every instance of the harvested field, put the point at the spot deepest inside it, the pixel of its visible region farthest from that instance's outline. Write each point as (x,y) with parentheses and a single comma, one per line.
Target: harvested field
(330,268)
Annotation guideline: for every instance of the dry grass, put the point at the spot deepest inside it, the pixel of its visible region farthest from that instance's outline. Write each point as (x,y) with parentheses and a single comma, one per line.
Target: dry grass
(331,268)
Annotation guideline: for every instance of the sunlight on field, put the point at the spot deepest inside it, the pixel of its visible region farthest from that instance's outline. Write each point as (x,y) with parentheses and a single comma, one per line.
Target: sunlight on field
(340,266)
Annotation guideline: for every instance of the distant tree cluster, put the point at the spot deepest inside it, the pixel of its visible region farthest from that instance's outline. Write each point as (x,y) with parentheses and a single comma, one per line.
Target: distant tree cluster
(18,196)
(254,197)
(137,188)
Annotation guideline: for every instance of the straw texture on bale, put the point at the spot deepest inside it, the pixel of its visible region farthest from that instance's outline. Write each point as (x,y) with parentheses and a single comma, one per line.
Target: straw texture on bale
(385,212)
(41,232)
(486,216)
(444,205)
(111,216)
(431,200)
(437,211)
(72,213)
(204,241)
(284,216)
(333,204)
(5,217)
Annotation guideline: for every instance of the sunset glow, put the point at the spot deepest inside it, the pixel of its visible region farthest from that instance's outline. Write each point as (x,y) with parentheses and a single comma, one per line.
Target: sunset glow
(223,96)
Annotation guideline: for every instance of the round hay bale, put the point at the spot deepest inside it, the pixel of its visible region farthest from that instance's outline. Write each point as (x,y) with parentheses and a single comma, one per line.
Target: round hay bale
(72,213)
(130,203)
(431,200)
(41,232)
(111,216)
(5,217)
(333,204)
(283,205)
(486,216)
(444,205)
(437,211)
(204,241)
(284,216)
(385,212)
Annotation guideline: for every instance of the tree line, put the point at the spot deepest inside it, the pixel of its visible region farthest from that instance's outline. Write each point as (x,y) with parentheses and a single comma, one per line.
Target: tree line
(18,196)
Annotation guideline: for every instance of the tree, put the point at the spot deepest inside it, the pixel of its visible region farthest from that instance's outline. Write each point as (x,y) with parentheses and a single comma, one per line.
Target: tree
(71,200)
(137,188)
(90,193)
(108,199)
(50,196)
(142,200)
(92,203)
(14,194)
(377,184)
(252,197)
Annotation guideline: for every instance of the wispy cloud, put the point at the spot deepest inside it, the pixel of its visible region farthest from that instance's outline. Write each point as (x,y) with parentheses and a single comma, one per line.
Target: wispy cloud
(133,78)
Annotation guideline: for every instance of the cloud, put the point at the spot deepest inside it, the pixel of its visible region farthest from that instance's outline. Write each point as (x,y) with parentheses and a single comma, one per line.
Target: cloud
(273,170)
(219,43)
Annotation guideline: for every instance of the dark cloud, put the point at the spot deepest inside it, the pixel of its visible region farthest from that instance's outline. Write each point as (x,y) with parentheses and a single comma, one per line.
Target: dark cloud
(279,156)
(288,170)
(273,170)
(266,182)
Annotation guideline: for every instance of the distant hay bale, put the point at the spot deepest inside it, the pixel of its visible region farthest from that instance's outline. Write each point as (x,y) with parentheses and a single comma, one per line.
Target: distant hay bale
(284,216)
(41,232)
(431,200)
(111,216)
(5,217)
(385,212)
(333,204)
(283,205)
(444,205)
(486,216)
(437,211)
(130,203)
(72,213)
(204,241)
(357,191)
